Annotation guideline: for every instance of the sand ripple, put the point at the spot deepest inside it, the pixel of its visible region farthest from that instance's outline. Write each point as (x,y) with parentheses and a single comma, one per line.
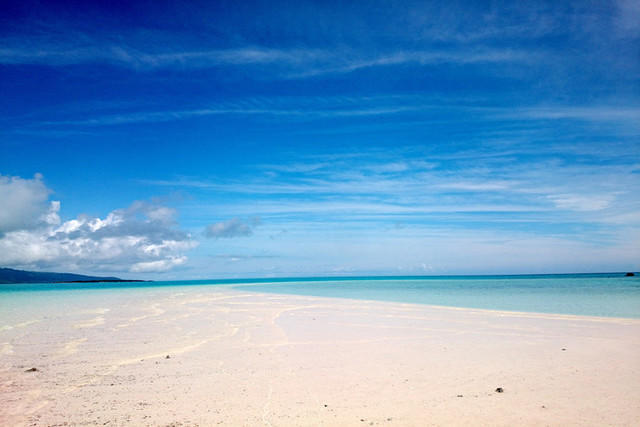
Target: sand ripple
(6,348)
(96,321)
(72,347)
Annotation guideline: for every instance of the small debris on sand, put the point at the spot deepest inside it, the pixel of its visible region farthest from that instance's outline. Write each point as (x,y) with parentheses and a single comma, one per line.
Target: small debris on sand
(168,357)
(460,395)
(564,349)
(32,370)
(499,390)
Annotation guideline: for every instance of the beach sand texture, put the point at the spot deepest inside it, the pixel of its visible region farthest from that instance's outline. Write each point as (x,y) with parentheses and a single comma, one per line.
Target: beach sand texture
(216,356)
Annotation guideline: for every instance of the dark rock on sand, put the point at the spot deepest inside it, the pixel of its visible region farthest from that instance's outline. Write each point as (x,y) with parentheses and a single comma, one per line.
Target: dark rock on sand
(32,370)
(499,390)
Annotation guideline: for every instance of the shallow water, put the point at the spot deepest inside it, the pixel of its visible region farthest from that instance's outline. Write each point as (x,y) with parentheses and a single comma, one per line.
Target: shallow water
(609,295)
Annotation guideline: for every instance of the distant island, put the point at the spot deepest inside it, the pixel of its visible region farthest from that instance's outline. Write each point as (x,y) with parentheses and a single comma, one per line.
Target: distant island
(9,275)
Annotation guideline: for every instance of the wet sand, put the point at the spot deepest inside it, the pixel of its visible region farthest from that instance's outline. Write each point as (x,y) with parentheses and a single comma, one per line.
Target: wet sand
(214,356)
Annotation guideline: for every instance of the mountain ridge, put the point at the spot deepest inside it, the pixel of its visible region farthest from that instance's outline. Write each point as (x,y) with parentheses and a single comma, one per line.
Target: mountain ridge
(10,275)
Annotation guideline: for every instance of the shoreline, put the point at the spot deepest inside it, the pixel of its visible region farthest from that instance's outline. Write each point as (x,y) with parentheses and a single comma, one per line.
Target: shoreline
(202,356)
(147,285)
(515,313)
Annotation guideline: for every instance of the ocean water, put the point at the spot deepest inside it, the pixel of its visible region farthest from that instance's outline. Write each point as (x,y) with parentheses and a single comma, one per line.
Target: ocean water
(608,295)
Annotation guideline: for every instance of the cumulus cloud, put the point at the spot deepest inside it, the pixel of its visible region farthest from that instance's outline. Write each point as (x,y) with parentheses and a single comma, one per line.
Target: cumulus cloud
(141,238)
(24,202)
(235,227)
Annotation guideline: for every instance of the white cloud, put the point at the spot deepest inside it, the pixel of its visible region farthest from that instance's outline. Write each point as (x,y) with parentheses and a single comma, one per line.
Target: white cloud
(23,202)
(420,57)
(477,186)
(322,108)
(628,18)
(581,202)
(538,189)
(296,63)
(158,266)
(141,238)
(596,113)
(228,229)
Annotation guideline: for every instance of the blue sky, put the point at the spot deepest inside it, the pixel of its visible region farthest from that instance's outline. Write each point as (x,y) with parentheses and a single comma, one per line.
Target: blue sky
(236,139)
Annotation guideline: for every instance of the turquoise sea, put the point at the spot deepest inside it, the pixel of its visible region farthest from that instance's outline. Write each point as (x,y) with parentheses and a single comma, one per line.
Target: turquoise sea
(607,294)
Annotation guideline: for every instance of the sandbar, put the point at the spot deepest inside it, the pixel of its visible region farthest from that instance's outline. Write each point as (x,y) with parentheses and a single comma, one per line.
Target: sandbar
(217,356)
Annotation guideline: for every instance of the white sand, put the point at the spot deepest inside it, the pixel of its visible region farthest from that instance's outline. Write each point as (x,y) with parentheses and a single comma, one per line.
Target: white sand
(255,359)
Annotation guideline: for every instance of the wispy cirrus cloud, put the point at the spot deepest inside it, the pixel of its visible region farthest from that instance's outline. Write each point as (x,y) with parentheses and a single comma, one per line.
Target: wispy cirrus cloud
(286,62)
(169,116)
(482,187)
(472,125)
(432,57)
(419,108)
(242,257)
(96,51)
(377,189)
(581,202)
(234,227)
(602,113)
